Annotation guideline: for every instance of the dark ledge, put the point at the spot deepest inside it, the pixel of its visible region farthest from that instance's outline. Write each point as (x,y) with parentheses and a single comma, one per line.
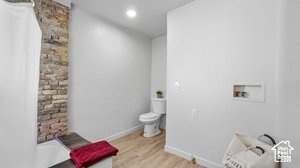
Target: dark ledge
(70,141)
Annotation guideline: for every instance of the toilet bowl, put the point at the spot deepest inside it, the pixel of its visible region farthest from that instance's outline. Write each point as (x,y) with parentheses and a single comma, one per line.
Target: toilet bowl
(152,119)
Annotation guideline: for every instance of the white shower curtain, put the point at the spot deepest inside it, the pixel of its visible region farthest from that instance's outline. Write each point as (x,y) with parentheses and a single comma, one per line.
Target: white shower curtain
(20,44)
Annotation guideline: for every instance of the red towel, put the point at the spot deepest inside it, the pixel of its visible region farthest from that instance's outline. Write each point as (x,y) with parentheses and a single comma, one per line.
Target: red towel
(90,154)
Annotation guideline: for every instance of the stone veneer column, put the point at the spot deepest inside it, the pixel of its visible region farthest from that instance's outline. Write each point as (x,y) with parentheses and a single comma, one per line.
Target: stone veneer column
(53,89)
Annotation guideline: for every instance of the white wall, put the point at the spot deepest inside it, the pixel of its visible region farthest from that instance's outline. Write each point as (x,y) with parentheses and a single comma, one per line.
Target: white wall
(159,65)
(288,77)
(159,69)
(109,76)
(211,45)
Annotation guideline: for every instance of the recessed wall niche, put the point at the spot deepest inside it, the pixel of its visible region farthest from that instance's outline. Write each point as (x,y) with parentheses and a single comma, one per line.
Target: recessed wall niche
(249,92)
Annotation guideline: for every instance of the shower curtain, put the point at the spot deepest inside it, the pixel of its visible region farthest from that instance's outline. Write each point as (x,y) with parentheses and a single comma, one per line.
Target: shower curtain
(20,44)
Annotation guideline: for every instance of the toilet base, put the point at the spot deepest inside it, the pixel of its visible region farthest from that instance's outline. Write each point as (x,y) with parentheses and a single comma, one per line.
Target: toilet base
(151,130)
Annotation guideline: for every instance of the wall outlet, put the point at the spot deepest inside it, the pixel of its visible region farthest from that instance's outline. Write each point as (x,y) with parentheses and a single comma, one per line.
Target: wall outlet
(194,113)
(193,160)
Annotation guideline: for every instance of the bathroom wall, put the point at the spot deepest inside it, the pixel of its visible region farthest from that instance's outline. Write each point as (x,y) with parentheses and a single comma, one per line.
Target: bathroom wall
(213,44)
(288,81)
(110,76)
(53,91)
(159,65)
(159,69)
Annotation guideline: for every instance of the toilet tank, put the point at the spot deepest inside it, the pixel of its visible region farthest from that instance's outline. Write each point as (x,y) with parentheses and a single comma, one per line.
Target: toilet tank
(158,105)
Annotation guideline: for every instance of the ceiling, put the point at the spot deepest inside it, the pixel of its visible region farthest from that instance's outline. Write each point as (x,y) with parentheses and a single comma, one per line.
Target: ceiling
(151,18)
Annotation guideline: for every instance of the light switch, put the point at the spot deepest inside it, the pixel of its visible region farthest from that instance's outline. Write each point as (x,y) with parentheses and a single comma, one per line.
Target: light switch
(177,86)
(194,113)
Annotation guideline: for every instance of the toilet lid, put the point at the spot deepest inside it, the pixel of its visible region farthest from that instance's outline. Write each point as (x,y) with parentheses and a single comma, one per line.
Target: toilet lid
(148,115)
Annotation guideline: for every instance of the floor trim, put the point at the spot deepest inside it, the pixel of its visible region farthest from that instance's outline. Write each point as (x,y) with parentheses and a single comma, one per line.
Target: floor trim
(123,133)
(188,156)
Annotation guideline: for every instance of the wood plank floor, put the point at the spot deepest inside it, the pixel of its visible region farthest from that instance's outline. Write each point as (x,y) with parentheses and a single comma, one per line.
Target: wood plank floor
(136,151)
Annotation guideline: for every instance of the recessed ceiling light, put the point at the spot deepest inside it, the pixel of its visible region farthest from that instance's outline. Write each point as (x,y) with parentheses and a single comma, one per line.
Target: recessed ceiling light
(131,13)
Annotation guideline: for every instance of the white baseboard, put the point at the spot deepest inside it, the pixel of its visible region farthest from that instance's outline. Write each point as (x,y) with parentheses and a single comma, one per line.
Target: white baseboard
(188,156)
(123,133)
(207,163)
(178,152)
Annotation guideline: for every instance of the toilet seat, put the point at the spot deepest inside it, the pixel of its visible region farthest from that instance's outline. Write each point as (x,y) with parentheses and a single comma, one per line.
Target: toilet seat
(149,116)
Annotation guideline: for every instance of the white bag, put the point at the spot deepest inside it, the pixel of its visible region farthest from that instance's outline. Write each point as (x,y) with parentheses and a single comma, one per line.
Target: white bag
(247,152)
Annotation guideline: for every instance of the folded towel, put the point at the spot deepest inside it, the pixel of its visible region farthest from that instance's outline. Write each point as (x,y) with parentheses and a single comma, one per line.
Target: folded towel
(90,154)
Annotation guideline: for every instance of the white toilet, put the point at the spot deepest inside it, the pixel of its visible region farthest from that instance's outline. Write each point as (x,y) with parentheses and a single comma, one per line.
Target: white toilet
(152,119)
